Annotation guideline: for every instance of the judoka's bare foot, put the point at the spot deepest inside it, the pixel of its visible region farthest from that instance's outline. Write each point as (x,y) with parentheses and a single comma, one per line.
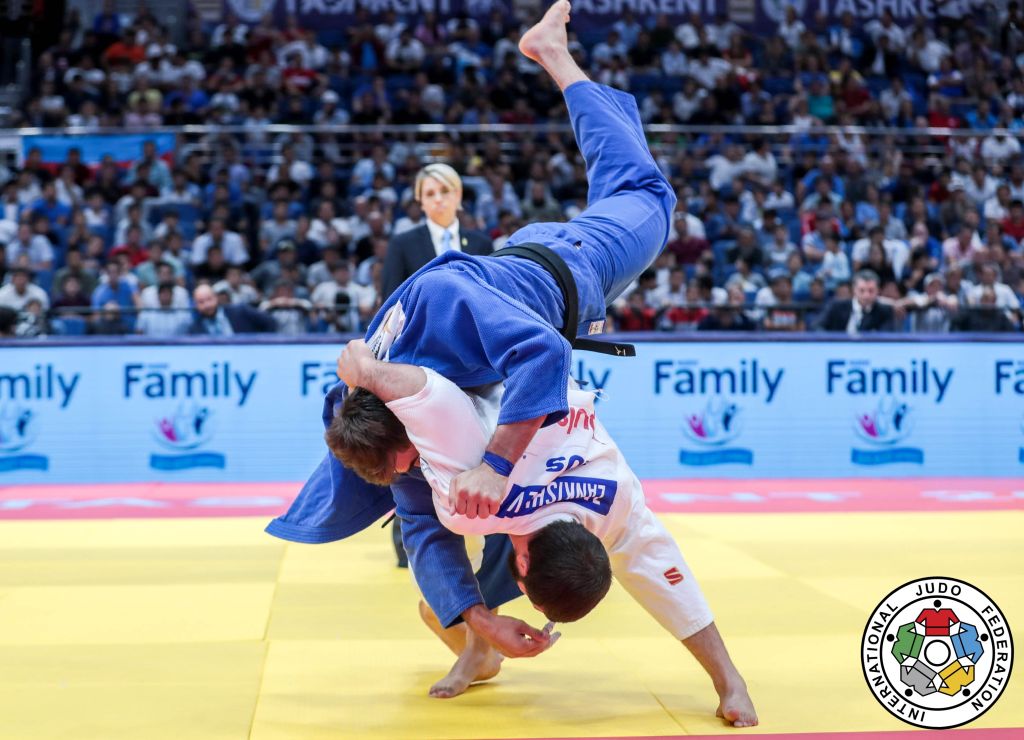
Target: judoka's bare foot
(475,664)
(548,44)
(735,706)
(548,35)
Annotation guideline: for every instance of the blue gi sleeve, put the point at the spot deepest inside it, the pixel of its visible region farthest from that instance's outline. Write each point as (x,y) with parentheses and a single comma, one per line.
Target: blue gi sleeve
(437,556)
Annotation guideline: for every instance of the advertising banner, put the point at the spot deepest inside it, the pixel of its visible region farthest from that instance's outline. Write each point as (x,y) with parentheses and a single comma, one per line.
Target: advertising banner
(678,410)
(124,148)
(588,16)
(843,409)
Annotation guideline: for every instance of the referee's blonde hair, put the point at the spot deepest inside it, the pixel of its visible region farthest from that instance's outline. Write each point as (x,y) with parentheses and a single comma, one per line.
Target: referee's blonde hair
(441,172)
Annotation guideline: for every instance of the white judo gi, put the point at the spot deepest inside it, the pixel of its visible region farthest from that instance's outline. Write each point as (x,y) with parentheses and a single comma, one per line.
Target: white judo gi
(572,470)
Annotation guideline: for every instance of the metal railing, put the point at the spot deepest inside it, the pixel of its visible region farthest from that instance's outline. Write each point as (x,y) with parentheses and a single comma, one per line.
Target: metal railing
(343,145)
(78,321)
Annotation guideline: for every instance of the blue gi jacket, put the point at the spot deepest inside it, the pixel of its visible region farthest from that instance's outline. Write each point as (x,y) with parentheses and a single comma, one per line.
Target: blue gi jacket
(462,322)
(335,503)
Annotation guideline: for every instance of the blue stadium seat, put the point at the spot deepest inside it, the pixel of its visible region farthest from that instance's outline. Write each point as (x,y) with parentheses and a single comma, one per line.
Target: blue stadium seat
(187,217)
(778,85)
(70,326)
(876,84)
(103,231)
(44,279)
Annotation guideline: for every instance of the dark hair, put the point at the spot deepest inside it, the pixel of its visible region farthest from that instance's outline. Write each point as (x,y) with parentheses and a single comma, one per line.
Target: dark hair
(867,276)
(569,571)
(364,435)
(8,320)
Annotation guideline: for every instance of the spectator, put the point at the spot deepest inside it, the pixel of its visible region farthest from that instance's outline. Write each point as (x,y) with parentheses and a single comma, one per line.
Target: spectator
(230,243)
(983,317)
(779,293)
(17,293)
(271,271)
(212,319)
(290,314)
(109,321)
(346,305)
(745,278)
(8,322)
(959,249)
(71,297)
(863,313)
(237,286)
(835,265)
(163,274)
(636,315)
(777,252)
(165,320)
(931,311)
(730,317)
(988,279)
(30,250)
(116,288)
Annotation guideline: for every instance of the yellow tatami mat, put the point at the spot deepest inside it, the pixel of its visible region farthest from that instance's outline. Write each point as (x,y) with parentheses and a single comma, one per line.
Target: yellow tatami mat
(209,628)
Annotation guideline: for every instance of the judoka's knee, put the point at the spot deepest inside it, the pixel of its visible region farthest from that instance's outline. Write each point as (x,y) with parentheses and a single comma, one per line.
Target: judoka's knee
(665,195)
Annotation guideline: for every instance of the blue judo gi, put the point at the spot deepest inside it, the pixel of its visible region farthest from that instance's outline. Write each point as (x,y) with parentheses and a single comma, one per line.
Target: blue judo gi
(478,320)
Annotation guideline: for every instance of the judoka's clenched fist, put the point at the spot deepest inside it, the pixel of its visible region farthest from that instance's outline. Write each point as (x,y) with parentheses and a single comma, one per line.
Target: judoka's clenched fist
(477,492)
(355,363)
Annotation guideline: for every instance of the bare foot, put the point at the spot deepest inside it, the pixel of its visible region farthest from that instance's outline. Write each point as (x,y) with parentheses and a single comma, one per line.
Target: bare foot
(471,667)
(549,33)
(736,708)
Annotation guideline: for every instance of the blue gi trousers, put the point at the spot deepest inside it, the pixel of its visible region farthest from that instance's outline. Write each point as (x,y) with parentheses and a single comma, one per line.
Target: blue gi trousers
(622,230)
(629,202)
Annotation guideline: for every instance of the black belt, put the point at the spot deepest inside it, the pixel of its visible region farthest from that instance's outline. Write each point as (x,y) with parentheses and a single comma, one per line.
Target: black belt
(550,261)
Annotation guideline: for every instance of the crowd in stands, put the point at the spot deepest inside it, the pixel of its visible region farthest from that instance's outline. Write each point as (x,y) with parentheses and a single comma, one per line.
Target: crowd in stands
(811,229)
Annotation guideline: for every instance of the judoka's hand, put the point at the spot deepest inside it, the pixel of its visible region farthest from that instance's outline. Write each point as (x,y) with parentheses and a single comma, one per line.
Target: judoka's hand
(511,637)
(354,363)
(477,492)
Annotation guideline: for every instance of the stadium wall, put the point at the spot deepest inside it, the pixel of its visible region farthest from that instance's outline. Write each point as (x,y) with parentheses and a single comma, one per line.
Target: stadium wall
(77,412)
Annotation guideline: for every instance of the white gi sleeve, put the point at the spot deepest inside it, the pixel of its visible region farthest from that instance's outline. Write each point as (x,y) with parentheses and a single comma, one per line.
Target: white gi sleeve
(443,425)
(647,562)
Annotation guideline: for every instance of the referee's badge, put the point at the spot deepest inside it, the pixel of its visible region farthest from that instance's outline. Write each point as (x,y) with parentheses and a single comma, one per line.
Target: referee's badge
(465,242)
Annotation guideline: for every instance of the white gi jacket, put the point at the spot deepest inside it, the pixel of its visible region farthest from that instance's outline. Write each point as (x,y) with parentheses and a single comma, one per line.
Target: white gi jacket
(571,470)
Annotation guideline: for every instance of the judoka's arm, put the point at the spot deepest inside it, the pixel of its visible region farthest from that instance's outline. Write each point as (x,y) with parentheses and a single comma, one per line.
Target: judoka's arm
(534,360)
(479,492)
(437,556)
(443,572)
(646,560)
(388,381)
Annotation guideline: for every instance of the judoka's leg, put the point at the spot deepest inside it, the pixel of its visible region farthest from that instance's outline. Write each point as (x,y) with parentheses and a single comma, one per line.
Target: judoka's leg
(477,660)
(734,705)
(630,202)
(453,637)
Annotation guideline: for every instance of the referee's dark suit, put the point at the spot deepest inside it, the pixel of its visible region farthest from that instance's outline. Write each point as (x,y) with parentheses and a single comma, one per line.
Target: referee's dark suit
(410,250)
